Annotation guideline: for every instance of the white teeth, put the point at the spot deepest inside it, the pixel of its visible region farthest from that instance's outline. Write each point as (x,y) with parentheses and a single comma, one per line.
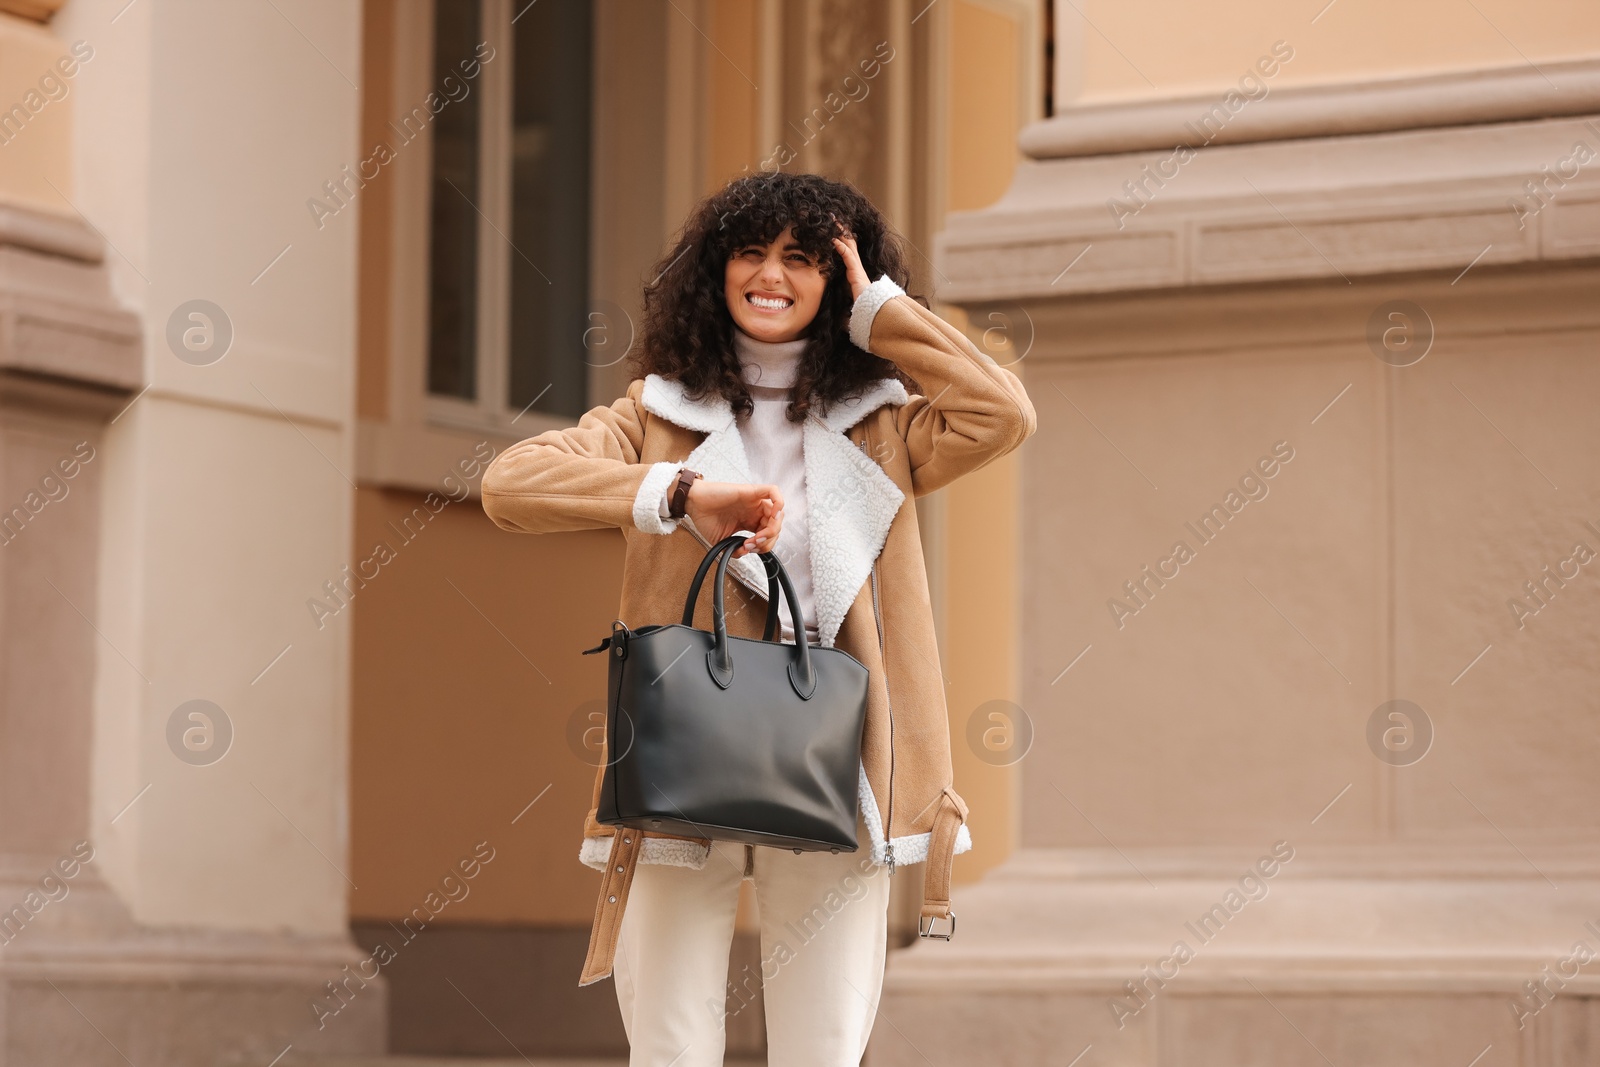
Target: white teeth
(769,303)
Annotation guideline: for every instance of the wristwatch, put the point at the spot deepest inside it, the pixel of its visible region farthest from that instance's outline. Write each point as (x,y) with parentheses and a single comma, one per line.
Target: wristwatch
(679,502)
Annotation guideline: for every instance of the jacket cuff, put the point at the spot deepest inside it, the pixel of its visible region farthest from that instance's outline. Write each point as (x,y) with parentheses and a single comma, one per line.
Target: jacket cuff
(647,505)
(866,308)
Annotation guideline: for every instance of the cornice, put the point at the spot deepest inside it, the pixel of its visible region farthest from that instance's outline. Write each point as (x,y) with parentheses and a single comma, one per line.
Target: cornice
(54,235)
(1465,98)
(1332,208)
(58,316)
(37,10)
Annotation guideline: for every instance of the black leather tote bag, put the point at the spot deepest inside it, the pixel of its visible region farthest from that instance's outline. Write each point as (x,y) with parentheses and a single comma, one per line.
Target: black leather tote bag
(730,738)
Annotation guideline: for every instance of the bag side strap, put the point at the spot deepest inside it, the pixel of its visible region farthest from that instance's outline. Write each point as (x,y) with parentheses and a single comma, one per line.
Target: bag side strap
(614,885)
(947,821)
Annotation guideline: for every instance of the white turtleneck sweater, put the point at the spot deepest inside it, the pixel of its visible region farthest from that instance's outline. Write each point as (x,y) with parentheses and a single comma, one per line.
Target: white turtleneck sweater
(775,448)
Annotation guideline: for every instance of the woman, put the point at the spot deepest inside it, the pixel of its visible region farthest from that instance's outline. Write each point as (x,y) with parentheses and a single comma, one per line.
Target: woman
(771,397)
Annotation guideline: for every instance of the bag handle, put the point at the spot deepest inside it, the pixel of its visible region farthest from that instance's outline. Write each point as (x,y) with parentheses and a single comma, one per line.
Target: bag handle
(719,661)
(770,631)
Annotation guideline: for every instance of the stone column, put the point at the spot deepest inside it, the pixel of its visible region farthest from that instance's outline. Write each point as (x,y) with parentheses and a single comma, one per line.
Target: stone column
(69,360)
(162,899)
(1317,785)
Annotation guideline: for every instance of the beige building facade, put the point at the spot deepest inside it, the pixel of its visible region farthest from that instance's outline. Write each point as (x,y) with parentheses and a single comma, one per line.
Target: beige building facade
(289,730)
(1307,653)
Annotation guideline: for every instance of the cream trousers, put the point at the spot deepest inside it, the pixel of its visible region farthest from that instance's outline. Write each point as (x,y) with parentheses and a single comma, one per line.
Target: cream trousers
(824,923)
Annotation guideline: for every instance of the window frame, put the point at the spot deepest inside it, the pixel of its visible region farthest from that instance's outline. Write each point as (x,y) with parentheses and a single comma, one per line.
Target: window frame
(416,436)
(421,424)
(490,409)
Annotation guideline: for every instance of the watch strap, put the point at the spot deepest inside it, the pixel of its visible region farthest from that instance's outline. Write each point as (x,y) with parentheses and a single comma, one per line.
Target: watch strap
(678,503)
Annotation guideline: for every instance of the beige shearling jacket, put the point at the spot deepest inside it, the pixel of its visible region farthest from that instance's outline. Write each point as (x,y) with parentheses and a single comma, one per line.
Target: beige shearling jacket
(866,460)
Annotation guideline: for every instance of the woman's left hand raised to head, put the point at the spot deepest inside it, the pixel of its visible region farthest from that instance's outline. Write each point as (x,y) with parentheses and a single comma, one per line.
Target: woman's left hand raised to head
(854,272)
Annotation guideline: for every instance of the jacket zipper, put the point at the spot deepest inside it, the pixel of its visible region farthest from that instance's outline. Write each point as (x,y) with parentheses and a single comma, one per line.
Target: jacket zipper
(888,701)
(888,824)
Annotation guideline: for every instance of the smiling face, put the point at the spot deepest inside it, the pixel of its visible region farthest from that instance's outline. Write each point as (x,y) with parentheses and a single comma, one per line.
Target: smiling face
(773,291)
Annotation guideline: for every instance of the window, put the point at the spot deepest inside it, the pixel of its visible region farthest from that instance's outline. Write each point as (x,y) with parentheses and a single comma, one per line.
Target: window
(508,257)
(453,223)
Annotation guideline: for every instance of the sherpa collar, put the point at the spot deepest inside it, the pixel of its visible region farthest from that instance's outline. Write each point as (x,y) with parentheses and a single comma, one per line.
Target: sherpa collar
(850,501)
(668,398)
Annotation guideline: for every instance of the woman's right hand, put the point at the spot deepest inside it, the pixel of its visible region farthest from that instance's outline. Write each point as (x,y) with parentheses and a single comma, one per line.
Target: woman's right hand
(720,508)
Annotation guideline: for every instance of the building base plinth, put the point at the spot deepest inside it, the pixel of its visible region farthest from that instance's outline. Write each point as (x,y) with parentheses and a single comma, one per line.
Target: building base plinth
(1392,957)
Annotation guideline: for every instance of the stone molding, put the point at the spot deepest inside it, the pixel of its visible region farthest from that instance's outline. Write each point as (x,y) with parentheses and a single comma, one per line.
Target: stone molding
(37,10)
(56,235)
(220,996)
(1566,858)
(1305,317)
(1389,954)
(1068,919)
(1330,209)
(1458,98)
(58,316)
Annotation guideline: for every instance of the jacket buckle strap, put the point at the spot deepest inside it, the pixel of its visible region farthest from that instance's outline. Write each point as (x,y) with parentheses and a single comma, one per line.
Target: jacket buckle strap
(947,821)
(614,885)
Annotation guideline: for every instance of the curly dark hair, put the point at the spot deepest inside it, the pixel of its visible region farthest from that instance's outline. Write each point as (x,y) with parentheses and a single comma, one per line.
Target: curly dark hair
(688,331)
